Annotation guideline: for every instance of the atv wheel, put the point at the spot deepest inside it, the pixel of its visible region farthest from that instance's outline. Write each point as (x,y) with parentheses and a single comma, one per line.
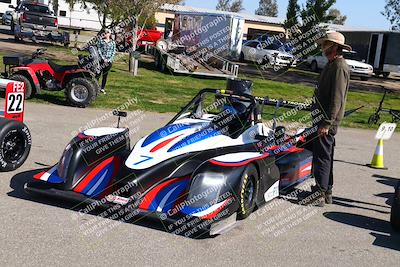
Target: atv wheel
(29,93)
(373,119)
(15,144)
(248,192)
(80,92)
(395,214)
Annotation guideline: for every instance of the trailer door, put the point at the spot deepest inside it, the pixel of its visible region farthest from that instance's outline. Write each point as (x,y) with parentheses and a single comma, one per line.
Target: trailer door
(377,48)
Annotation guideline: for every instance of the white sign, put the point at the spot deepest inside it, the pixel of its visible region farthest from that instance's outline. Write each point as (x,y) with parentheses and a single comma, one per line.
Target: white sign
(385,131)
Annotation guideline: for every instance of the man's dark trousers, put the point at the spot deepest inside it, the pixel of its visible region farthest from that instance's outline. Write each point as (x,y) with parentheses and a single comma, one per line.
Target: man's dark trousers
(323,152)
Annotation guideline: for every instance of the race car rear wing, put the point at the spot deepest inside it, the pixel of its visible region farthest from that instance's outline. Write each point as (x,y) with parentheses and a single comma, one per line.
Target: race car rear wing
(14,99)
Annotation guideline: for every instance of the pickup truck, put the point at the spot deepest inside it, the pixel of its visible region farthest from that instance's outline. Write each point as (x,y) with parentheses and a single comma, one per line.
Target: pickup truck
(37,22)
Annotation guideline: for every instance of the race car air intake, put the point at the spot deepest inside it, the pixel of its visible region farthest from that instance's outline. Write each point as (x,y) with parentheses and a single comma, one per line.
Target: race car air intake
(240,86)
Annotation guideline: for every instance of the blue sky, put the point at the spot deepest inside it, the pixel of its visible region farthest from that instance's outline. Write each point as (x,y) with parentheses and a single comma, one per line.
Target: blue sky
(360,13)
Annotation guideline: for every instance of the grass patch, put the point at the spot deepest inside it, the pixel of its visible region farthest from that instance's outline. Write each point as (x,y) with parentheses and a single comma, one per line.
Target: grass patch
(163,92)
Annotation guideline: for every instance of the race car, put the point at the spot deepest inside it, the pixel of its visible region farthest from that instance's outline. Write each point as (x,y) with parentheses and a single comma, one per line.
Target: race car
(15,137)
(214,163)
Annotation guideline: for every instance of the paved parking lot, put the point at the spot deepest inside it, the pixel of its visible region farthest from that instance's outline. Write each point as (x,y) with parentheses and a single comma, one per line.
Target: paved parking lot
(354,231)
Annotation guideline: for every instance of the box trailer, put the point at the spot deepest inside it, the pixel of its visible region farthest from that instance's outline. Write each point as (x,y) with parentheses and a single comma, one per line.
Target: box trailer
(201,44)
(379,49)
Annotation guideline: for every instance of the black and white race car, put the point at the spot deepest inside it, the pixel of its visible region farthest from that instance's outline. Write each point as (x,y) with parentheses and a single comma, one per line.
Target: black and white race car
(214,162)
(15,137)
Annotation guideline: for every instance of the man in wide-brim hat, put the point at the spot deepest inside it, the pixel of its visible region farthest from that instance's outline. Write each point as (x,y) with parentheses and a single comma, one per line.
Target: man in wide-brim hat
(330,101)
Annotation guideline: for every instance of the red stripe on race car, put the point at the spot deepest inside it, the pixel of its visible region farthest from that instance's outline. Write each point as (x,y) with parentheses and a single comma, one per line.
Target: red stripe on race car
(108,189)
(215,212)
(39,175)
(236,164)
(149,197)
(92,174)
(163,144)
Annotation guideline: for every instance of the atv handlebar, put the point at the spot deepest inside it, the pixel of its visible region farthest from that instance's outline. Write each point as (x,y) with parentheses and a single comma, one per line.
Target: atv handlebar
(38,52)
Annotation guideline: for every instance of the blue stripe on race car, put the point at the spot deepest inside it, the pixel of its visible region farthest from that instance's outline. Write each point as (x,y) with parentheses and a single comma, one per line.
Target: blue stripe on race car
(167,197)
(99,182)
(194,138)
(164,132)
(54,178)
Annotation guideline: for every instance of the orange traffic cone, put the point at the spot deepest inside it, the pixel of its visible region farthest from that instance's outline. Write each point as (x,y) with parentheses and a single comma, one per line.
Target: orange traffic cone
(377,160)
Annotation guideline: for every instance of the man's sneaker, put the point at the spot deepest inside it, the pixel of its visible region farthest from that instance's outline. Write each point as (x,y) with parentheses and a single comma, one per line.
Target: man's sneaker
(328,197)
(103,91)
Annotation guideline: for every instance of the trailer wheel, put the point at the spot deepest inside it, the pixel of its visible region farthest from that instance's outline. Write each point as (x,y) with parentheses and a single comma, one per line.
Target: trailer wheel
(395,212)
(163,64)
(29,93)
(15,144)
(386,74)
(157,60)
(80,92)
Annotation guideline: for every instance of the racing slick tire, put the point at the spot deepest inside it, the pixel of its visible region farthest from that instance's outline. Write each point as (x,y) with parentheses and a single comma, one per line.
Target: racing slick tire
(28,85)
(15,144)
(80,92)
(247,192)
(395,212)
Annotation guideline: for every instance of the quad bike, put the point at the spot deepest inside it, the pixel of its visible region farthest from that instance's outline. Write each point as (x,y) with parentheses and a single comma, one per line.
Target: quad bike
(78,82)
(374,118)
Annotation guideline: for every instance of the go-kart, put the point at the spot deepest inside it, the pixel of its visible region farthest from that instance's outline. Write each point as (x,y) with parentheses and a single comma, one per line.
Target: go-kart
(214,163)
(15,137)
(395,212)
(79,84)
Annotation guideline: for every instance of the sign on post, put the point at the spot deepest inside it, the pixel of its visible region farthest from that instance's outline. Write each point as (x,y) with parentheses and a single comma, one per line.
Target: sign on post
(15,99)
(385,131)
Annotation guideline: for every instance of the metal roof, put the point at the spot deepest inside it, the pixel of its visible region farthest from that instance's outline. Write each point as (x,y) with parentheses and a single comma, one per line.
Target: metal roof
(342,28)
(246,16)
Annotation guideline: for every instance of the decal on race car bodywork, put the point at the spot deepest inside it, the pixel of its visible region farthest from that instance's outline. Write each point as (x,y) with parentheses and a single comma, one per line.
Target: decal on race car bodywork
(50,176)
(237,159)
(207,212)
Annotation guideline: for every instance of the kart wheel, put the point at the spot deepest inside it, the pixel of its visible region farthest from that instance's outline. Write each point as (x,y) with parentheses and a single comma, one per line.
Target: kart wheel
(395,213)
(28,85)
(314,66)
(80,92)
(15,144)
(373,119)
(248,192)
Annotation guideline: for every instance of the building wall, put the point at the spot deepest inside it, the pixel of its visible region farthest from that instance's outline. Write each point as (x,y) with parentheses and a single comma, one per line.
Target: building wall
(161,18)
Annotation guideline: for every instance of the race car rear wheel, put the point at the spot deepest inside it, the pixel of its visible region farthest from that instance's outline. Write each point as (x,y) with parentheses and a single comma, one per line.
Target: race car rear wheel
(248,192)
(15,144)
(80,92)
(395,213)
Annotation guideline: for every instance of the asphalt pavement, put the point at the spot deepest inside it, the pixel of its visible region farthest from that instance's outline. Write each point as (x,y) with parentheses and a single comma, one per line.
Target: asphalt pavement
(354,231)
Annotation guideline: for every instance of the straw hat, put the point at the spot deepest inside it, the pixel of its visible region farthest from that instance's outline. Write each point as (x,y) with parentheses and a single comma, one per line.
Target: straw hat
(335,37)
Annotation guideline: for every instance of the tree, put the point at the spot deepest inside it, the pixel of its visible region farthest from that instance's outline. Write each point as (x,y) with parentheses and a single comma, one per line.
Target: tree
(224,5)
(228,5)
(315,12)
(292,14)
(339,19)
(392,12)
(267,8)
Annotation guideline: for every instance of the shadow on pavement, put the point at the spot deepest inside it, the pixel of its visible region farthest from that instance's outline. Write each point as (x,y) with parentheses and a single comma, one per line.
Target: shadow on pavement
(348,162)
(381,230)
(17,184)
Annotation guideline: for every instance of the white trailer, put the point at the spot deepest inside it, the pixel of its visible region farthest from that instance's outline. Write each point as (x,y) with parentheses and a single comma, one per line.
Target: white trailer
(4,5)
(202,44)
(78,17)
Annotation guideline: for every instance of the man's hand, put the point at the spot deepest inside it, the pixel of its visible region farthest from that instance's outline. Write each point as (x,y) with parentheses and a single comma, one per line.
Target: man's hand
(323,131)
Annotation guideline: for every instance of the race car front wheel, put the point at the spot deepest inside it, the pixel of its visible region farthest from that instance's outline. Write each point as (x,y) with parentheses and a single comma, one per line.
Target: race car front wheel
(15,144)
(395,214)
(248,192)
